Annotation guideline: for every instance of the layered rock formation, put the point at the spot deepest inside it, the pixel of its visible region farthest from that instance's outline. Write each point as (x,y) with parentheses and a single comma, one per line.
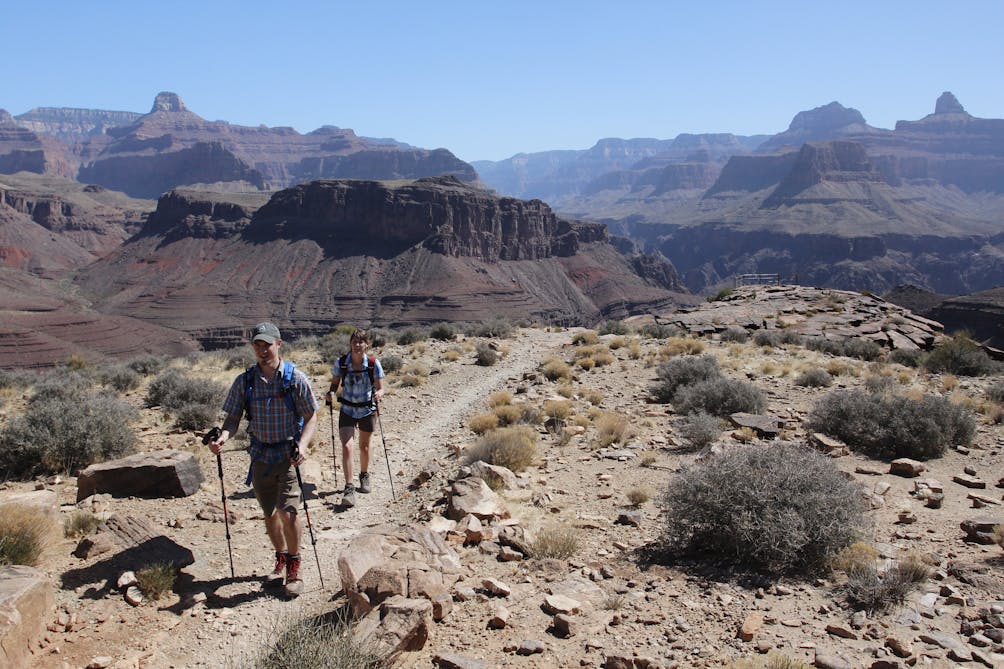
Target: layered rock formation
(370,252)
(171,146)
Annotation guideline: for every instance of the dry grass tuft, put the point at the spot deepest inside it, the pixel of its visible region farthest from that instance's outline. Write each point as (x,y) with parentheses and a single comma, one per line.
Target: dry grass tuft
(556,541)
(24,533)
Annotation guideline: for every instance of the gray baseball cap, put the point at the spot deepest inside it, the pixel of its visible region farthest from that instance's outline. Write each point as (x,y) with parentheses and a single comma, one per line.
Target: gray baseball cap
(265,332)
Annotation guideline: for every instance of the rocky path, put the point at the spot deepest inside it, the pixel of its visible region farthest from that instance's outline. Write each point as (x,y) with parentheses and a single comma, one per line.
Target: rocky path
(238,614)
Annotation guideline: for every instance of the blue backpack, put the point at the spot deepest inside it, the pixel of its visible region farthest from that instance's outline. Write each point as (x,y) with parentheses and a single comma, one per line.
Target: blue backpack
(286,388)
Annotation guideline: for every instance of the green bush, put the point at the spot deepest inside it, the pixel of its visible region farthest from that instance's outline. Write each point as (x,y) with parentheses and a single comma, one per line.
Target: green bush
(814,378)
(120,377)
(412,336)
(513,447)
(485,355)
(658,331)
(613,327)
(64,432)
(735,334)
(961,356)
(173,390)
(443,332)
(147,365)
(995,392)
(332,346)
(156,579)
(194,416)
(862,349)
(391,363)
(779,508)
(700,429)
(901,356)
(719,397)
(767,338)
(683,371)
(833,347)
(893,426)
(496,327)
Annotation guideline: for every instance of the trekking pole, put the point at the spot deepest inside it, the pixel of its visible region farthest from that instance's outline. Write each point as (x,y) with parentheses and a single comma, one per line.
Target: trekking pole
(295,454)
(213,435)
(334,458)
(386,455)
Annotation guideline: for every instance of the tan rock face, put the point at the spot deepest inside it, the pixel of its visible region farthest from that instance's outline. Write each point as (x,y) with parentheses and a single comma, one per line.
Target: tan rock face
(26,604)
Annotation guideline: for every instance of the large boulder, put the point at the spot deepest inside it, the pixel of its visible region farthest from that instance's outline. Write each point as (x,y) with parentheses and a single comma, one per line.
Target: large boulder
(26,603)
(149,475)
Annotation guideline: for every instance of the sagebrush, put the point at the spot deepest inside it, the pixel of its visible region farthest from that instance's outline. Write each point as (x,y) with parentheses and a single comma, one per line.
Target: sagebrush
(779,508)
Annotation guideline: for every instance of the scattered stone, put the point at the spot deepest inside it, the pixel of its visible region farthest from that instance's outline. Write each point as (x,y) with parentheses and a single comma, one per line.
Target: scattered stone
(766,427)
(563,625)
(969,481)
(126,579)
(841,631)
(136,541)
(453,661)
(830,661)
(906,467)
(531,647)
(632,518)
(499,618)
(152,475)
(899,647)
(981,530)
(554,604)
(751,625)
(100,662)
(134,595)
(828,444)
(472,496)
(493,586)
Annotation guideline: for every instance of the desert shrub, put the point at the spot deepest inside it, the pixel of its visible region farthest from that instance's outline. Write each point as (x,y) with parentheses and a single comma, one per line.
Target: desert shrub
(700,429)
(611,428)
(147,365)
(873,590)
(901,356)
(647,458)
(638,496)
(513,447)
(412,336)
(391,363)
(587,337)
(500,398)
(780,508)
(451,355)
(859,555)
(11,378)
(64,432)
(675,346)
(892,426)
(658,331)
(603,358)
(586,363)
(719,397)
(735,334)
(554,369)
(485,355)
(24,533)
(960,355)
(678,372)
(156,579)
(823,345)
(507,414)
(880,383)
(173,390)
(767,338)
(771,661)
(193,416)
(483,423)
(557,541)
(442,332)
(120,377)
(616,343)
(79,524)
(613,327)
(325,641)
(814,378)
(497,327)
(332,346)
(593,396)
(862,349)
(559,409)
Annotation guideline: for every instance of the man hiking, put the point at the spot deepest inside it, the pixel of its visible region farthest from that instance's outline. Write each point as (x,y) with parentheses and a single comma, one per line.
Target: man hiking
(279,404)
(360,377)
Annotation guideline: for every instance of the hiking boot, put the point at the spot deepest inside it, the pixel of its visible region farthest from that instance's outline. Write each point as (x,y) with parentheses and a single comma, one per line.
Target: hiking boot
(364,482)
(281,560)
(294,584)
(349,495)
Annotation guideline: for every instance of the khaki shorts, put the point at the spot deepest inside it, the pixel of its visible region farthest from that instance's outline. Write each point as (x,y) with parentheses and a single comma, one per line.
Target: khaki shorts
(275,486)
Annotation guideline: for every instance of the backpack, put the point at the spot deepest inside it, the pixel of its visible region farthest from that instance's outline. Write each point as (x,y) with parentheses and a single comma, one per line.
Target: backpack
(343,371)
(286,388)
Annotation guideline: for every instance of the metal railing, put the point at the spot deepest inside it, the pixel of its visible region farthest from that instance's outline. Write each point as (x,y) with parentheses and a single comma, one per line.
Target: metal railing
(757,280)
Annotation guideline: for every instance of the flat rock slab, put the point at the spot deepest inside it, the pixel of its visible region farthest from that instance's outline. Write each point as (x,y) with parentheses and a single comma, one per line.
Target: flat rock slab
(981,530)
(764,426)
(151,475)
(26,604)
(45,501)
(135,540)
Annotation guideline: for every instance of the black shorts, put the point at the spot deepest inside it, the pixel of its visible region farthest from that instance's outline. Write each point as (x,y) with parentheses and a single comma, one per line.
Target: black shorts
(365,424)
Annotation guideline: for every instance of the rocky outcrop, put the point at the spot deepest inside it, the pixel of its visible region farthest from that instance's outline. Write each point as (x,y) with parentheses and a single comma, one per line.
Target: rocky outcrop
(980,314)
(820,124)
(26,602)
(838,162)
(152,475)
(370,252)
(73,125)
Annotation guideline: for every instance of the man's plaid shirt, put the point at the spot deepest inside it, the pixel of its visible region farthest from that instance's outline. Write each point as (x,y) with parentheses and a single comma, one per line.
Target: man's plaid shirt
(271,420)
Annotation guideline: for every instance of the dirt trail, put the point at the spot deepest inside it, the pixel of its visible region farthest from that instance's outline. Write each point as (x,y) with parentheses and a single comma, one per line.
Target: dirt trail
(238,614)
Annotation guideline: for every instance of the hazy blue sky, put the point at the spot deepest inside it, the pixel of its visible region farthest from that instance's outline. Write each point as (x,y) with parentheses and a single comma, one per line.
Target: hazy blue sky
(488,79)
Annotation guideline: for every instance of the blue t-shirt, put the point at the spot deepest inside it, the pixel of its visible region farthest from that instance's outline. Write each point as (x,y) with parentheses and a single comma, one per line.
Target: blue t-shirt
(356,387)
